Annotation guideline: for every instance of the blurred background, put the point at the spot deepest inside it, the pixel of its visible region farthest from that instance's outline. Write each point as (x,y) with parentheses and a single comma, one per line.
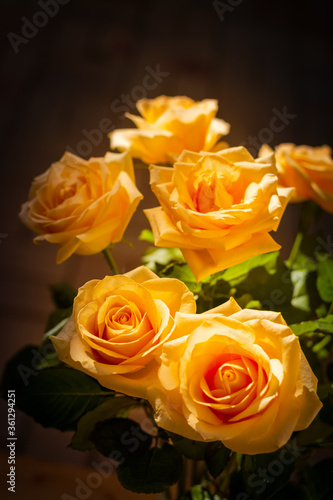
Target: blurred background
(71,68)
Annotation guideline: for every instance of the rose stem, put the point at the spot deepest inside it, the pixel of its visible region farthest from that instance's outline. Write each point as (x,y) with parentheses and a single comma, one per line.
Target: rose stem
(110,260)
(229,469)
(183,480)
(310,214)
(295,249)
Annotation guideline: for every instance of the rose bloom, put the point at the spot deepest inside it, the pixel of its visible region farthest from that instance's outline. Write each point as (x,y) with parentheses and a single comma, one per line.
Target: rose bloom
(237,376)
(309,170)
(83,206)
(118,327)
(218,208)
(168,126)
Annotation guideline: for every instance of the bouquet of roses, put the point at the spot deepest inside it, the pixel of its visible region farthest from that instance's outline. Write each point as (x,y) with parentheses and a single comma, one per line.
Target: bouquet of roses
(200,367)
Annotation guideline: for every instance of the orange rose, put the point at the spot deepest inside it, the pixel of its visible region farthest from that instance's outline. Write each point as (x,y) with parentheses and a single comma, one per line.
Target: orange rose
(170,125)
(83,206)
(237,376)
(218,208)
(118,327)
(309,170)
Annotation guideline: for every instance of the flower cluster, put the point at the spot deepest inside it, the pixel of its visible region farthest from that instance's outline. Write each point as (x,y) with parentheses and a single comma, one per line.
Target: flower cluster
(208,369)
(228,374)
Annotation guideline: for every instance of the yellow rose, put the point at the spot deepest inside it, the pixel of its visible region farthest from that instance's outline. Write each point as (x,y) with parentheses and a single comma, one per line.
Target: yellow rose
(83,206)
(119,325)
(218,208)
(170,125)
(237,376)
(309,170)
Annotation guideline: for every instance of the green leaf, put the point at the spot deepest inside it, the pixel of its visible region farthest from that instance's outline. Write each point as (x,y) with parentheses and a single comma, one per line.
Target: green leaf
(325,278)
(325,325)
(59,397)
(63,295)
(120,434)
(199,492)
(236,274)
(183,273)
(246,299)
(300,295)
(156,470)
(55,330)
(319,346)
(147,235)
(196,493)
(321,310)
(49,356)
(56,317)
(304,328)
(196,450)
(87,423)
(266,473)
(316,433)
(217,457)
(253,304)
(20,369)
(262,281)
(293,315)
(317,336)
(306,255)
(268,281)
(158,258)
(305,296)
(54,397)
(270,284)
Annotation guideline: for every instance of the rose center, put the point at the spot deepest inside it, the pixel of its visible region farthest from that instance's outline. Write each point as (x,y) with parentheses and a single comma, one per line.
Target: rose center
(119,320)
(204,198)
(123,318)
(64,193)
(211,193)
(231,377)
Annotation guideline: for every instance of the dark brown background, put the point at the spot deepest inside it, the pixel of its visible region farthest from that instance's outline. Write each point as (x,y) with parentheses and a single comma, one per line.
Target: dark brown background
(263,55)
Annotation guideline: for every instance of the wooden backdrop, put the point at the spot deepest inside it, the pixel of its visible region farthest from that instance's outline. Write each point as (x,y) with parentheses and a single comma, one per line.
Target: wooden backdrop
(64,80)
